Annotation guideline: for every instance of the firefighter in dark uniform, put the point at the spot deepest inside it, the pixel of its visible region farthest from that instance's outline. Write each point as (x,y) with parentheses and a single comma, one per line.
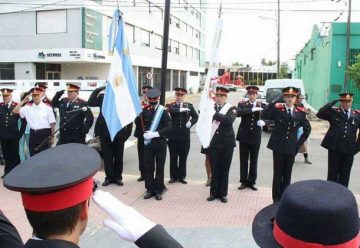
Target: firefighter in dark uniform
(155,144)
(139,132)
(221,146)
(58,211)
(9,131)
(249,137)
(283,142)
(341,139)
(112,151)
(76,118)
(183,116)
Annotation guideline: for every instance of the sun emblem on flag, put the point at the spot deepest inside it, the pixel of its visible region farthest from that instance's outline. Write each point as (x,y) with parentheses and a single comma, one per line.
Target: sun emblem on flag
(126,51)
(118,80)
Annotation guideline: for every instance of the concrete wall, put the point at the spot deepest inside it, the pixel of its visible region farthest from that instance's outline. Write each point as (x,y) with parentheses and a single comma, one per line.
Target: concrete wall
(88,71)
(25,71)
(18,32)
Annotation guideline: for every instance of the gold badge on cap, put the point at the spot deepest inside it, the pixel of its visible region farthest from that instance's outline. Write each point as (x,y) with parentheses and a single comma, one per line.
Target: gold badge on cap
(347,96)
(291,90)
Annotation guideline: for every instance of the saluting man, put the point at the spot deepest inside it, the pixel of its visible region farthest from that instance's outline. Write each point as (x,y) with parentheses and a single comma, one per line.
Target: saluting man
(112,150)
(183,117)
(75,116)
(249,137)
(44,97)
(283,142)
(156,131)
(221,146)
(139,131)
(341,139)
(9,131)
(41,119)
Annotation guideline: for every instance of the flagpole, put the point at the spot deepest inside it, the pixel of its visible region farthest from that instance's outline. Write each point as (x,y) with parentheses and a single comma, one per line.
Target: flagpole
(165,51)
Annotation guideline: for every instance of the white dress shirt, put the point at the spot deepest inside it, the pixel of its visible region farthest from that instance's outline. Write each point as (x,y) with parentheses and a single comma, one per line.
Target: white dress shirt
(38,116)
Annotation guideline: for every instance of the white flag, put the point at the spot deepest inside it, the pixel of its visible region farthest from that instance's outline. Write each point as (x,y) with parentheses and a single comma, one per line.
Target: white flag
(204,125)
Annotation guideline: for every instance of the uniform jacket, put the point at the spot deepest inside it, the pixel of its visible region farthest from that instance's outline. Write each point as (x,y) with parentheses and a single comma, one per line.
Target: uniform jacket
(341,135)
(249,132)
(179,119)
(284,136)
(224,136)
(164,127)
(101,129)
(9,236)
(138,126)
(81,121)
(9,122)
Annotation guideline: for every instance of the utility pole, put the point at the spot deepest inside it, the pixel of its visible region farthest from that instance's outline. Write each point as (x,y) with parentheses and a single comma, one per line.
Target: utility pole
(278,40)
(165,51)
(348,35)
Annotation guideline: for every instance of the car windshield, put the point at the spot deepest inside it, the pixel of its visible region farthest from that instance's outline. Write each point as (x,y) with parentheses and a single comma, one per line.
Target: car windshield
(272,93)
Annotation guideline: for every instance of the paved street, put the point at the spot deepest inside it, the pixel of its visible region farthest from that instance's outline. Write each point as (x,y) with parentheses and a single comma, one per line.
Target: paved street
(184,211)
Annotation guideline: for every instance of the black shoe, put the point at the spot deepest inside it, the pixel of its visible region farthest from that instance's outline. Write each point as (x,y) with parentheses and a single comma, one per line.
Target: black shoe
(211,198)
(252,187)
(172,180)
(2,176)
(182,181)
(147,195)
(106,182)
(242,186)
(141,178)
(158,197)
(223,199)
(119,182)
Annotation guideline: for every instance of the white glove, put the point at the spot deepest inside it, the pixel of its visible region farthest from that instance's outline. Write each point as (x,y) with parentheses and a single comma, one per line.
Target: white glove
(150,135)
(188,124)
(126,222)
(184,109)
(254,109)
(260,123)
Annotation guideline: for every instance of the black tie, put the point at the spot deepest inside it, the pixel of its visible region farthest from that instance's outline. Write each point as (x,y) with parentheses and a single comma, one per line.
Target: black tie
(289,112)
(346,113)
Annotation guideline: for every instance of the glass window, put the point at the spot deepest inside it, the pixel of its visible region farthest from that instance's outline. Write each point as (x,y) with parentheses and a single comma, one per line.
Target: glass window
(175,79)
(175,47)
(7,71)
(168,80)
(183,79)
(182,49)
(53,21)
(157,78)
(130,33)
(144,37)
(143,80)
(158,41)
(169,46)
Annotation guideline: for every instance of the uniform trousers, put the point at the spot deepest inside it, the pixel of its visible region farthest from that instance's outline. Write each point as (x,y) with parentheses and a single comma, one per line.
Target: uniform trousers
(179,151)
(36,138)
(140,150)
(66,138)
(10,151)
(113,152)
(283,164)
(154,163)
(248,174)
(339,167)
(220,161)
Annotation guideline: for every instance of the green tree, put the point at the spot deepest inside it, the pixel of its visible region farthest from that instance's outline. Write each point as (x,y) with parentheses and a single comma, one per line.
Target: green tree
(353,71)
(237,64)
(270,63)
(284,70)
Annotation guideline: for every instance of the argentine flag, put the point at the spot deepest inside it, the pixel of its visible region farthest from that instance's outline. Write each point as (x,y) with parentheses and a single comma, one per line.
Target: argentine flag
(121,102)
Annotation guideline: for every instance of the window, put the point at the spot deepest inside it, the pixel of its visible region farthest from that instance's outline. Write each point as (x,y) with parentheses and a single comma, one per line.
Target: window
(176,21)
(183,79)
(158,41)
(53,21)
(196,33)
(144,37)
(169,46)
(157,11)
(130,33)
(194,73)
(175,46)
(304,59)
(7,71)
(182,49)
(142,79)
(175,79)
(312,53)
(157,78)
(168,80)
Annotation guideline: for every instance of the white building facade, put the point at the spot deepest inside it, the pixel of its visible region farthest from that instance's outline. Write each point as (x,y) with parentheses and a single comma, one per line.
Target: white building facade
(69,41)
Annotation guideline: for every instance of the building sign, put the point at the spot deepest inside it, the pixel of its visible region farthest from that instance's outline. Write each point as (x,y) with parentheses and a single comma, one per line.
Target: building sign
(42,55)
(91,29)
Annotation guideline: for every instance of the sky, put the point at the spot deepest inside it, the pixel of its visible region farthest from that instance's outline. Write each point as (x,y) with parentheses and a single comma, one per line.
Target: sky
(250,35)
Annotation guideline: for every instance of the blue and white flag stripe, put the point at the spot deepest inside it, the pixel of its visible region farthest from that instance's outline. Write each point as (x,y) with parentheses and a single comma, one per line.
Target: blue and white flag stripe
(121,104)
(159,111)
